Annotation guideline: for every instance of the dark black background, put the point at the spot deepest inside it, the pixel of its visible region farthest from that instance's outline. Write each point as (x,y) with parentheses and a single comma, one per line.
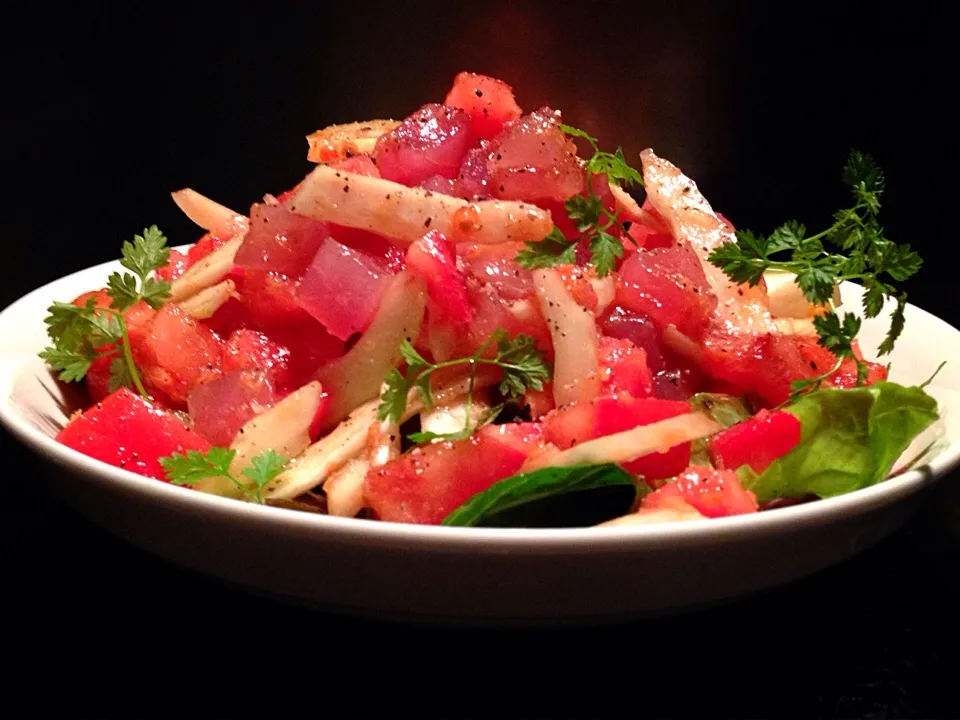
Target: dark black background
(108,108)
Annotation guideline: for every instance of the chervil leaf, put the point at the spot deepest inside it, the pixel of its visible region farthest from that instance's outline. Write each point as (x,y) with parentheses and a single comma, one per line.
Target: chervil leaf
(897,320)
(411,356)
(786,237)
(739,263)
(147,252)
(523,365)
(264,468)
(519,359)
(869,255)
(81,333)
(605,249)
(72,365)
(393,397)
(585,212)
(123,290)
(615,167)
(554,249)
(194,466)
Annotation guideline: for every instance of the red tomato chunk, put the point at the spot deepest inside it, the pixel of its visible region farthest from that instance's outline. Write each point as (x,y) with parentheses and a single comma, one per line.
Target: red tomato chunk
(756,442)
(126,431)
(713,493)
(429,482)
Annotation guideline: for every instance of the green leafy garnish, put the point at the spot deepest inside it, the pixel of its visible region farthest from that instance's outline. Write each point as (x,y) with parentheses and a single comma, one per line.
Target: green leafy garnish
(854,247)
(592,220)
(518,501)
(194,466)
(849,439)
(81,334)
(523,369)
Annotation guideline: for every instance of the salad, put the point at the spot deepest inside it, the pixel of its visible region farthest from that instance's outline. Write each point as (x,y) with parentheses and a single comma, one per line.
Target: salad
(466,317)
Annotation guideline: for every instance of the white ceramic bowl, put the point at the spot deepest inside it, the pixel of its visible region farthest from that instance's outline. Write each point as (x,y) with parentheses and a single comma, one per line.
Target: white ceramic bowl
(469,574)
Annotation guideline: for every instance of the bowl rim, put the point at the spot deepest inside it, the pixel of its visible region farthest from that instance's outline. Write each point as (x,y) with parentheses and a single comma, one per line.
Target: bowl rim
(457,539)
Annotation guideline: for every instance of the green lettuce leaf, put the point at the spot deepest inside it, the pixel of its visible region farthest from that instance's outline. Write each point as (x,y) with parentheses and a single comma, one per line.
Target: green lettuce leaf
(850,439)
(551,496)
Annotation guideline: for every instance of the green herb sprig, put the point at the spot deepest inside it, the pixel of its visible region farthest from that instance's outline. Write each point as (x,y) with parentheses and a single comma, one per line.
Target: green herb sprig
(589,215)
(194,466)
(854,247)
(523,367)
(81,334)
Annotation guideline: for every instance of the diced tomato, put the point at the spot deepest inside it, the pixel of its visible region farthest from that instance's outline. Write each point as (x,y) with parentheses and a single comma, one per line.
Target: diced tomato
(535,160)
(203,247)
(431,141)
(624,368)
(428,483)
(432,258)
(573,424)
(248,349)
(756,442)
(280,241)
(175,267)
(358,164)
(540,402)
(846,374)
(668,286)
(714,493)
(489,102)
(652,232)
(219,408)
(177,354)
(126,431)
(291,357)
(342,288)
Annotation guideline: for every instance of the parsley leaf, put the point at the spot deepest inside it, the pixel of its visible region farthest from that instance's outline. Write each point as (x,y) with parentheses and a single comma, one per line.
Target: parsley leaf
(862,253)
(590,217)
(194,466)
(554,249)
(81,334)
(522,364)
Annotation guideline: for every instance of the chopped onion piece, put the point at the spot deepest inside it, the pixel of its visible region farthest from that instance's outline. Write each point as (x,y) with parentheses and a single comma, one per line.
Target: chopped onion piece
(345,489)
(606,291)
(284,428)
(352,437)
(795,326)
(325,456)
(207,271)
(341,141)
(205,303)
(786,298)
(356,377)
(629,445)
(211,216)
(443,419)
(573,328)
(404,214)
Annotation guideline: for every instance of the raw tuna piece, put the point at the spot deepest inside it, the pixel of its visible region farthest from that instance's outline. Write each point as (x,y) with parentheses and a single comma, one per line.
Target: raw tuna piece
(342,288)
(280,241)
(220,407)
(535,160)
(430,142)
